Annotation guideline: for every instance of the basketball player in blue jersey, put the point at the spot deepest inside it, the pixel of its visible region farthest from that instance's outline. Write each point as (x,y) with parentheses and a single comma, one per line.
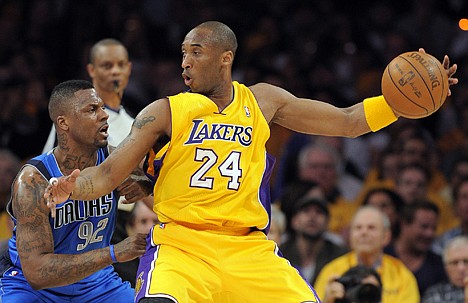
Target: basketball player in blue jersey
(66,256)
(212,194)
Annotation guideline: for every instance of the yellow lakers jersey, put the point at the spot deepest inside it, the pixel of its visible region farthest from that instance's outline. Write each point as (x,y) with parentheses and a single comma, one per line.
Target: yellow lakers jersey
(215,172)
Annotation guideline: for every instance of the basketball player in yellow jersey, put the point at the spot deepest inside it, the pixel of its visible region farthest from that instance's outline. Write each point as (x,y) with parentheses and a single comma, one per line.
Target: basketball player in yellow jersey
(211,190)
(228,164)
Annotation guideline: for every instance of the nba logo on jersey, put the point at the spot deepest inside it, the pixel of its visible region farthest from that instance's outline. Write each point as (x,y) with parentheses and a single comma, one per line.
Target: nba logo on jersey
(139,283)
(247,111)
(162,225)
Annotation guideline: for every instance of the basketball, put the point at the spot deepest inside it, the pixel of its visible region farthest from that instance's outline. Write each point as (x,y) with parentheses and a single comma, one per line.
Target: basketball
(415,84)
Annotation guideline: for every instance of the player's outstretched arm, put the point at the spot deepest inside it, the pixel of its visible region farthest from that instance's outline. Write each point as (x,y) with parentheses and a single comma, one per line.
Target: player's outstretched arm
(41,266)
(321,118)
(309,116)
(150,124)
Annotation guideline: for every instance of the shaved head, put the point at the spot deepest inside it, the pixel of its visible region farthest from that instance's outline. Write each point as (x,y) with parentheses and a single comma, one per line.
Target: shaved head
(63,97)
(221,35)
(104,42)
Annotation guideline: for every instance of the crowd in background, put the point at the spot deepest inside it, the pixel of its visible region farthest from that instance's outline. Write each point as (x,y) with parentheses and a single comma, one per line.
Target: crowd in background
(325,49)
(330,50)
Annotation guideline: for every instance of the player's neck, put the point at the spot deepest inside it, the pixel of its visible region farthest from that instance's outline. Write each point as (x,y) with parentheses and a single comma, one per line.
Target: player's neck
(70,158)
(222,97)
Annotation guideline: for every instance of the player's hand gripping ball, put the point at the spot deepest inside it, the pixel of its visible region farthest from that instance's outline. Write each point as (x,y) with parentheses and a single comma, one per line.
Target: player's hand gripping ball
(415,84)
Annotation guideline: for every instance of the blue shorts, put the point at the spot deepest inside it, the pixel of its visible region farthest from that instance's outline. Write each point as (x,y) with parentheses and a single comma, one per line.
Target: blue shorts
(106,287)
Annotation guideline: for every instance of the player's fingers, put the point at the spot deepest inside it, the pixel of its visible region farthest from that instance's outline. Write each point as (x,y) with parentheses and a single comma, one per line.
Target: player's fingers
(72,177)
(422,50)
(47,193)
(446,62)
(51,205)
(125,184)
(52,210)
(127,189)
(131,197)
(453,70)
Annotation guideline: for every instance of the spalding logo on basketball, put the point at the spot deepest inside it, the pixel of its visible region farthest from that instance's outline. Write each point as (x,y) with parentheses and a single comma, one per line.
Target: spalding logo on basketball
(415,84)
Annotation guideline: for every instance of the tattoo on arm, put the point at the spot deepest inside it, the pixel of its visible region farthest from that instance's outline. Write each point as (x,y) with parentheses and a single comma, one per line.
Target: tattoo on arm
(139,123)
(35,243)
(86,187)
(34,236)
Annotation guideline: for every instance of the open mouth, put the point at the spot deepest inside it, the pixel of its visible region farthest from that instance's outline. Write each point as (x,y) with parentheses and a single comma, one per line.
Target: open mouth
(187,79)
(103,130)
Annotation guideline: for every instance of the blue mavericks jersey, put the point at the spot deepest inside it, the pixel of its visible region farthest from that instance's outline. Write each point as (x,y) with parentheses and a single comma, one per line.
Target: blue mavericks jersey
(78,227)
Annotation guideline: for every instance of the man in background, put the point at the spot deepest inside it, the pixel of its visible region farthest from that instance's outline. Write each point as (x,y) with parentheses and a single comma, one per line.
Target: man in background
(413,244)
(308,248)
(369,234)
(109,68)
(455,256)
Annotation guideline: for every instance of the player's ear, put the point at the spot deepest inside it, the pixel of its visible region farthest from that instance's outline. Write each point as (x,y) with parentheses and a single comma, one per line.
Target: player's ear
(228,57)
(90,69)
(62,123)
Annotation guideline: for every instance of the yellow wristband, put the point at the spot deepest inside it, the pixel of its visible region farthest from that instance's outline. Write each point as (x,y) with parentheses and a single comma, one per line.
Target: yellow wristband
(378,113)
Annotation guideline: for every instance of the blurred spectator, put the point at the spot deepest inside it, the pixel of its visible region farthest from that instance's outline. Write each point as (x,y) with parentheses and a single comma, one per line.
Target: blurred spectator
(308,247)
(412,182)
(455,257)
(354,167)
(140,220)
(460,205)
(416,146)
(9,167)
(353,154)
(413,244)
(370,233)
(458,170)
(453,143)
(390,203)
(322,164)
(294,192)
(383,173)
(412,185)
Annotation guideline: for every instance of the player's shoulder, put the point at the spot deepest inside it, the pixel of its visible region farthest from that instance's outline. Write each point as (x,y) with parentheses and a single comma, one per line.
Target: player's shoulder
(261,87)
(270,92)
(158,106)
(28,182)
(31,171)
